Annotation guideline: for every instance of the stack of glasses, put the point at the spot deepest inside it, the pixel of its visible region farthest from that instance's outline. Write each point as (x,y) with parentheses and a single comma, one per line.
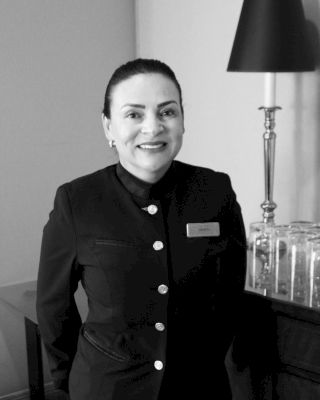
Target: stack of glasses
(284,261)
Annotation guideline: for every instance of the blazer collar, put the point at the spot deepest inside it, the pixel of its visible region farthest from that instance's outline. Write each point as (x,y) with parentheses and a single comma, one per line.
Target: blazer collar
(143,189)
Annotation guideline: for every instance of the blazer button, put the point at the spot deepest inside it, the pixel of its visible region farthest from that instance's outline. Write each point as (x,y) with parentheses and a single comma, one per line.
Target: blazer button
(158,245)
(159,326)
(163,289)
(152,209)
(158,365)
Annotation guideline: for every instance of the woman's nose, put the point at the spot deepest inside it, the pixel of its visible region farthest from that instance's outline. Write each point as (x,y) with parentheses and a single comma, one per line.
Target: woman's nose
(152,126)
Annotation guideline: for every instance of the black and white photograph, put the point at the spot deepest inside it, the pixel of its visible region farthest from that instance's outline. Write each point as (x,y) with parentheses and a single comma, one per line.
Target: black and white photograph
(160,200)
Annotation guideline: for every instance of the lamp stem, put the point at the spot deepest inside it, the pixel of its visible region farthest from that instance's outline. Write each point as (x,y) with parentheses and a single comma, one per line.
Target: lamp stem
(269,141)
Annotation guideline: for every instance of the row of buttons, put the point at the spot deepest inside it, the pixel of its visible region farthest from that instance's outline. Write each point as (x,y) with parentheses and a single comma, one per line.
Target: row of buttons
(153,209)
(162,289)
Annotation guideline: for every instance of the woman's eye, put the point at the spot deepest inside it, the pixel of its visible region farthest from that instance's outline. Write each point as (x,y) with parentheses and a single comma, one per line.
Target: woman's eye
(167,113)
(133,115)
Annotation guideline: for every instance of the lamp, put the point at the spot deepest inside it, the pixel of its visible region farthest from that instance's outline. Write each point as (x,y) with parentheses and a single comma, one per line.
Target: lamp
(271,37)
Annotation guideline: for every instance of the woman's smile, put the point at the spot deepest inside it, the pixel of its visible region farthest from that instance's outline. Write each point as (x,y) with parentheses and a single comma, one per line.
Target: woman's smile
(152,146)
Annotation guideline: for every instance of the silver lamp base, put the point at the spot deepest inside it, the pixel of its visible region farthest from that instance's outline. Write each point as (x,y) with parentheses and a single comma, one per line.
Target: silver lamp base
(269,142)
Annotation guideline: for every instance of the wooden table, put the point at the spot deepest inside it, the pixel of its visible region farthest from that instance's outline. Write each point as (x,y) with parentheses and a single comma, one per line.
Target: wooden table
(22,298)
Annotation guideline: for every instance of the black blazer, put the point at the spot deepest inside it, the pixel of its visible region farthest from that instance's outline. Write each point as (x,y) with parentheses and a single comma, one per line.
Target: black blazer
(162,306)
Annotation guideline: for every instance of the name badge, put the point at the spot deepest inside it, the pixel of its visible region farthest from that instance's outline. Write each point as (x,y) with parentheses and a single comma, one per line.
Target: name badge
(203,229)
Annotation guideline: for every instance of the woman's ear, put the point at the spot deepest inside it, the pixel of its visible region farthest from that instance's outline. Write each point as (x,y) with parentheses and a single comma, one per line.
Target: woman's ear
(106,122)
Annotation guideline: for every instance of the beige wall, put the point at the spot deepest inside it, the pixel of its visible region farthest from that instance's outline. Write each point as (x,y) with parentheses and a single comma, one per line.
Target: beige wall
(223,125)
(56,57)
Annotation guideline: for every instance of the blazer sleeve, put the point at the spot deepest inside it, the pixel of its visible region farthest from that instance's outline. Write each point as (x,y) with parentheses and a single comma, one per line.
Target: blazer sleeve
(232,273)
(58,317)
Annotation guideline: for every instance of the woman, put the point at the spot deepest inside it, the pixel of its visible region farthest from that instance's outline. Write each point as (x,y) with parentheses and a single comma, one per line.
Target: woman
(159,247)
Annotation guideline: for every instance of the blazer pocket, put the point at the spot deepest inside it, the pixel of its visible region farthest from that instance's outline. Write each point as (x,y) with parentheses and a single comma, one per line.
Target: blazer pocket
(118,243)
(102,348)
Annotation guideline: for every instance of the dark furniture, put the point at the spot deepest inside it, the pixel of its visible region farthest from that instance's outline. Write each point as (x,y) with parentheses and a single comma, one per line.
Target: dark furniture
(275,355)
(22,298)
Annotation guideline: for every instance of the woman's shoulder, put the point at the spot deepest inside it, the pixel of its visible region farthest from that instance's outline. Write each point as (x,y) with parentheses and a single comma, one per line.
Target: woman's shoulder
(91,182)
(203,183)
(201,174)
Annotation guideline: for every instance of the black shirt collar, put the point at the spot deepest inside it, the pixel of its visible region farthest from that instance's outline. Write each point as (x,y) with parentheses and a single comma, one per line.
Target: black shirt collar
(146,190)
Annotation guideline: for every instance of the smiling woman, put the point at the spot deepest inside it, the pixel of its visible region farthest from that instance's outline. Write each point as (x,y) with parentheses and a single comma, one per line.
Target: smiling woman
(159,247)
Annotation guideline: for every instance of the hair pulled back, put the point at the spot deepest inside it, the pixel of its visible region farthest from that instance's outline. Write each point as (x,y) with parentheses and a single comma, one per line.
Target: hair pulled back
(135,67)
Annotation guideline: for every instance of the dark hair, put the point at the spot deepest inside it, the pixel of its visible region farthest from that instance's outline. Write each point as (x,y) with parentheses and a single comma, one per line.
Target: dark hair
(135,67)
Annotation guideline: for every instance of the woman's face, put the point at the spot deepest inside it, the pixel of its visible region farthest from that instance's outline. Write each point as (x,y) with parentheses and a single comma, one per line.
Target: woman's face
(146,123)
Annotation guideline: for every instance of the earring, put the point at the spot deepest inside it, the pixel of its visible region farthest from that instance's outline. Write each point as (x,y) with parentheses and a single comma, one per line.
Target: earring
(111,143)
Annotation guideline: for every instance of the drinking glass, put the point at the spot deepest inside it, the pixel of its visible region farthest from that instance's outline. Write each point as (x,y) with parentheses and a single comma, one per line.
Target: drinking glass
(315,228)
(314,298)
(299,266)
(260,257)
(281,272)
(301,225)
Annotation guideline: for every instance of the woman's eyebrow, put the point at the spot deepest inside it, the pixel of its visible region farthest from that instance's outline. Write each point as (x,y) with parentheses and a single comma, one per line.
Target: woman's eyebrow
(133,105)
(165,103)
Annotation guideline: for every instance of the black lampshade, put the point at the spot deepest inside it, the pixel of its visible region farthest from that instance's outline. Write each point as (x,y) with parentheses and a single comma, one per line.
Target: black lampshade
(271,37)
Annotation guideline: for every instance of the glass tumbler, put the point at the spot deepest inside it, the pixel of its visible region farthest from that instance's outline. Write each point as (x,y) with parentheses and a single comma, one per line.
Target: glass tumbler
(315,229)
(301,225)
(299,265)
(281,272)
(314,298)
(260,257)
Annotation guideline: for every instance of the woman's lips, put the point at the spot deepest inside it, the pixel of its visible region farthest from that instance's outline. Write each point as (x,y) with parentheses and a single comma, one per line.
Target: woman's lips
(151,145)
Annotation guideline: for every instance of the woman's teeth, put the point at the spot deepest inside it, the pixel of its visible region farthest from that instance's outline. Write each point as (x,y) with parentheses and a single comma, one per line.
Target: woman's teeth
(151,146)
